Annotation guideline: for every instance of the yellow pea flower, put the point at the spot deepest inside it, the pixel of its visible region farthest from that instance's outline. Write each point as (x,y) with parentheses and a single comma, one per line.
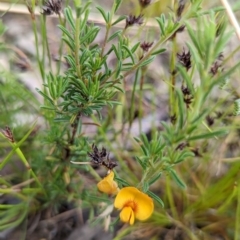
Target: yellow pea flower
(108,185)
(133,204)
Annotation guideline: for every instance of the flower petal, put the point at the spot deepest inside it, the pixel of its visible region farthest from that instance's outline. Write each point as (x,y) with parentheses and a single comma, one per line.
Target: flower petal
(108,185)
(127,215)
(124,196)
(144,205)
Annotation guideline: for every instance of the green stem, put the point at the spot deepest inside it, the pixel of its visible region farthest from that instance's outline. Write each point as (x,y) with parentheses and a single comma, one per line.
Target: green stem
(20,190)
(153,49)
(34,26)
(108,27)
(225,205)
(45,43)
(24,160)
(237,224)
(131,110)
(41,68)
(170,198)
(172,102)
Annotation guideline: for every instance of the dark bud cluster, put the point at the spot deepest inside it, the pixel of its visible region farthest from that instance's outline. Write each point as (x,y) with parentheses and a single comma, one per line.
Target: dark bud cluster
(101,158)
(210,120)
(215,68)
(144,3)
(219,114)
(196,152)
(181,146)
(179,11)
(7,132)
(52,6)
(187,96)
(146,45)
(185,90)
(181,28)
(217,65)
(181,6)
(173,119)
(185,59)
(131,20)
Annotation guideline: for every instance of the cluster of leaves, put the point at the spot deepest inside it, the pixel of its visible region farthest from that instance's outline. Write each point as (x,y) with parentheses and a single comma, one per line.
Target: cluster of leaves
(91,83)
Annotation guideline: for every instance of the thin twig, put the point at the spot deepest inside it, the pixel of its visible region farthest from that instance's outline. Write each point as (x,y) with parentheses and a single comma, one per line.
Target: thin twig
(63,216)
(232,17)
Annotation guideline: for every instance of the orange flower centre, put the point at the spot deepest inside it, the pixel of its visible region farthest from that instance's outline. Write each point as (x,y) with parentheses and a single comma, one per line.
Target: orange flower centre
(131,204)
(128,212)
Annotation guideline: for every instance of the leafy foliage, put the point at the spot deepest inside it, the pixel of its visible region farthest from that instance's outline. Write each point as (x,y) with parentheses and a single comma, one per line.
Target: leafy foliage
(105,86)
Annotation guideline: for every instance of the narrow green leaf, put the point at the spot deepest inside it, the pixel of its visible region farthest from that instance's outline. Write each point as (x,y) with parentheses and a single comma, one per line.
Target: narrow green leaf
(62,119)
(156,198)
(161,25)
(66,32)
(86,7)
(90,34)
(114,35)
(119,20)
(119,68)
(83,23)
(48,108)
(123,182)
(104,14)
(70,61)
(154,178)
(158,51)
(119,89)
(129,52)
(177,179)
(145,140)
(135,47)
(193,37)
(221,43)
(45,96)
(186,77)
(145,186)
(137,139)
(118,55)
(208,135)
(180,109)
(236,107)
(141,162)
(200,117)
(146,62)
(69,17)
(69,43)
(195,55)
(117,5)
(183,156)
(166,127)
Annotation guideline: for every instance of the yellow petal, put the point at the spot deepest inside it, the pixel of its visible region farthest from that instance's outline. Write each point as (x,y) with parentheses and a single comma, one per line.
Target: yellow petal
(124,196)
(127,215)
(108,185)
(141,204)
(144,206)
